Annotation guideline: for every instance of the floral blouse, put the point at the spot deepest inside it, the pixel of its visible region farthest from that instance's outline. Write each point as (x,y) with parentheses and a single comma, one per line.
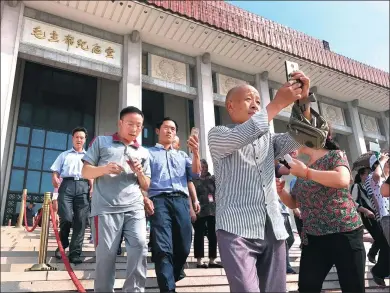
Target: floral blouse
(325,210)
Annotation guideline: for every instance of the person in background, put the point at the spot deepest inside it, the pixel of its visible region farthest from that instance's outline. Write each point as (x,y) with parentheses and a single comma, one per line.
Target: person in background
(385,188)
(120,167)
(364,206)
(281,170)
(374,181)
(205,189)
(332,228)
(73,195)
(168,193)
(30,214)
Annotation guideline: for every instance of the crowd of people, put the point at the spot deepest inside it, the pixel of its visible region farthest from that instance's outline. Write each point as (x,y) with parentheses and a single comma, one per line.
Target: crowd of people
(242,207)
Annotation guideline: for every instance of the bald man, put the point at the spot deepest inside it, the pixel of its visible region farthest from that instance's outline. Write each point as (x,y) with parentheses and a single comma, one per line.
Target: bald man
(250,228)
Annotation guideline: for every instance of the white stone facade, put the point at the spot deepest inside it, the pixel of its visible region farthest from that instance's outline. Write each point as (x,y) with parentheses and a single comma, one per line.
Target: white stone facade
(180,77)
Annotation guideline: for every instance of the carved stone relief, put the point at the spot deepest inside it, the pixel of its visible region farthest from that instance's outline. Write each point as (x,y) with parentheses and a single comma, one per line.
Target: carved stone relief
(226,83)
(332,114)
(169,70)
(369,124)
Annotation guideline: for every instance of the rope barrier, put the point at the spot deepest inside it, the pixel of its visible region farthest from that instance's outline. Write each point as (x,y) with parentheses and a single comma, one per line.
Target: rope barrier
(65,259)
(37,219)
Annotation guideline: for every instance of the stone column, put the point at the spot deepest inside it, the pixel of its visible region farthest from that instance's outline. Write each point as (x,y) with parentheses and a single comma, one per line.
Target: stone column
(11,26)
(385,124)
(130,91)
(204,105)
(261,84)
(356,139)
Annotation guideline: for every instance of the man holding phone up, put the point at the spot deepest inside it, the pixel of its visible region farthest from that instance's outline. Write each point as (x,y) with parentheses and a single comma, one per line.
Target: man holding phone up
(250,228)
(121,169)
(170,220)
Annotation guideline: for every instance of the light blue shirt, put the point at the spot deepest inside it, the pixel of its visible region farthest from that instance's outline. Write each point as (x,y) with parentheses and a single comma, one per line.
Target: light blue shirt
(292,182)
(170,169)
(69,164)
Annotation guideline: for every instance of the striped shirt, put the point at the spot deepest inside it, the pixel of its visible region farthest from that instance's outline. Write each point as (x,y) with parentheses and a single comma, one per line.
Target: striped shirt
(243,157)
(380,203)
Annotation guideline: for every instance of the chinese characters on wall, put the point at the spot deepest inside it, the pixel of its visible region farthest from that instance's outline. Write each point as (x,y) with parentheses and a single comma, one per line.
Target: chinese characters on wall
(69,40)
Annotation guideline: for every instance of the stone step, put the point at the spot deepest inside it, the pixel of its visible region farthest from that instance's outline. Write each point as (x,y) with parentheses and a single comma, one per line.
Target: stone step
(192,284)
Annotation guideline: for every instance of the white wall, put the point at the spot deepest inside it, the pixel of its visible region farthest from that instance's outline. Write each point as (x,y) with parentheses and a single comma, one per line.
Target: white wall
(107,107)
(177,108)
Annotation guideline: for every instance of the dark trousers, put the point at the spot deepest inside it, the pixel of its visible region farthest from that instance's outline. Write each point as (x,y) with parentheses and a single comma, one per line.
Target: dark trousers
(171,238)
(73,209)
(299,224)
(344,250)
(199,228)
(290,240)
(375,231)
(382,267)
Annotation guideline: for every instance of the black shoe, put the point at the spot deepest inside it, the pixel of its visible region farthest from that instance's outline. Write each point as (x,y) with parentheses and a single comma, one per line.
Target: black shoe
(75,260)
(57,254)
(215,266)
(182,275)
(378,280)
(202,266)
(119,252)
(371,258)
(291,271)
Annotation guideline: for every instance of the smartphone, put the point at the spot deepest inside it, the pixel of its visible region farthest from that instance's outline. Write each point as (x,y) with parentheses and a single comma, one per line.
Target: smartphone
(194,131)
(290,68)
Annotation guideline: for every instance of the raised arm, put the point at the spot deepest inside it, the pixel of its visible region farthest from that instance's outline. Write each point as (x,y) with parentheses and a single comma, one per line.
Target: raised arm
(223,141)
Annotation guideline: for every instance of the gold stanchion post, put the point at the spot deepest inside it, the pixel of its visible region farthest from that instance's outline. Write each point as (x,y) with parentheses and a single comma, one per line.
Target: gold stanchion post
(42,265)
(22,209)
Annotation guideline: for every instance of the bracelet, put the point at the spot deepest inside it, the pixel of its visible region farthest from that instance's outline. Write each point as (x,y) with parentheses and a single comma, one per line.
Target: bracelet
(307,173)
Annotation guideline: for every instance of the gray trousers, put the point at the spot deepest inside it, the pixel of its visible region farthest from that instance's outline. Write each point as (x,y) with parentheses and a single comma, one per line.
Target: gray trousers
(107,231)
(253,265)
(385,223)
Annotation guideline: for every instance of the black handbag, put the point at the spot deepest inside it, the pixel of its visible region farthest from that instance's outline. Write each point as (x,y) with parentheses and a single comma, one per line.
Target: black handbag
(312,133)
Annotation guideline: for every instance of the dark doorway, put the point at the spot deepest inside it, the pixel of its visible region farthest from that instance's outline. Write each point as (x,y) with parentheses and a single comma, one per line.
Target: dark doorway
(153,109)
(53,102)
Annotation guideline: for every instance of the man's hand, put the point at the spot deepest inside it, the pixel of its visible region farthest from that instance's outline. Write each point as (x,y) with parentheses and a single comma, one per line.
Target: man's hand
(149,206)
(368,213)
(192,215)
(193,144)
(297,213)
(55,181)
(136,167)
(280,183)
(305,82)
(196,206)
(112,168)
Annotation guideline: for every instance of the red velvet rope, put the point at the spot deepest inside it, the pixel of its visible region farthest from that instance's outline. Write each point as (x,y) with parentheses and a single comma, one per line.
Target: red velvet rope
(37,219)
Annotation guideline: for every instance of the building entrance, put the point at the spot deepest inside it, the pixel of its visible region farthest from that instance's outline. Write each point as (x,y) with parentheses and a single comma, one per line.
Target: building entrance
(52,103)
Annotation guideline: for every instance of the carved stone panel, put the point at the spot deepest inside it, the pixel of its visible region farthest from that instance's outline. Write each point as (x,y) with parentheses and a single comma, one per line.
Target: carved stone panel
(226,83)
(369,124)
(169,70)
(332,114)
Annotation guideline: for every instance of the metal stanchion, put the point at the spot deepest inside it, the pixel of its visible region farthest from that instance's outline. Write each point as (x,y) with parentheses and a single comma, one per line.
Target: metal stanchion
(22,209)
(41,265)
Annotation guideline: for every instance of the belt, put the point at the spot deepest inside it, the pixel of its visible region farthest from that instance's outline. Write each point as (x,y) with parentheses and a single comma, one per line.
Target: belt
(75,179)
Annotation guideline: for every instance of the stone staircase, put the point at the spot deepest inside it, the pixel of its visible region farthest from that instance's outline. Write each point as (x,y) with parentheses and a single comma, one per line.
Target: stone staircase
(19,251)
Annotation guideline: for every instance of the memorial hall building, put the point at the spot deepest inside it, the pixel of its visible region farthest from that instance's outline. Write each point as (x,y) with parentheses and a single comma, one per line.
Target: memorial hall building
(77,63)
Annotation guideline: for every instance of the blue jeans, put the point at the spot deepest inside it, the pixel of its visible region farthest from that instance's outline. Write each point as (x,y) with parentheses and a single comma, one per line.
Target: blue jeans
(172,236)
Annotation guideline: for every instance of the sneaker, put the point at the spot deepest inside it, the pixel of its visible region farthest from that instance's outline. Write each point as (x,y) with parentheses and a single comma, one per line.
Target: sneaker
(215,266)
(202,266)
(378,280)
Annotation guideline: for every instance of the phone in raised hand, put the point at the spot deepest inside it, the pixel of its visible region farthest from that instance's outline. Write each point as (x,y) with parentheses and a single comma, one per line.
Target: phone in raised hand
(194,131)
(291,67)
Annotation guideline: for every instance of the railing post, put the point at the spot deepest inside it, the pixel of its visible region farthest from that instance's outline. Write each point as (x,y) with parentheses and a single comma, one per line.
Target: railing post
(22,209)
(42,265)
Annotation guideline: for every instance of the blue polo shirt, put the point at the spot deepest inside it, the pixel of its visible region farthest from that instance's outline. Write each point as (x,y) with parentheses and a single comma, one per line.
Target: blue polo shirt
(69,164)
(170,169)
(116,193)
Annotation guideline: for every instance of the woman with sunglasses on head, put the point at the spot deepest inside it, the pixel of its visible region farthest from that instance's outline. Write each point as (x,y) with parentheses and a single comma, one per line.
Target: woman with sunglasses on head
(332,228)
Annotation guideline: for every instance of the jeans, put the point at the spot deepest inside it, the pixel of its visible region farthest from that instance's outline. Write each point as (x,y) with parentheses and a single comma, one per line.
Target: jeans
(171,238)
